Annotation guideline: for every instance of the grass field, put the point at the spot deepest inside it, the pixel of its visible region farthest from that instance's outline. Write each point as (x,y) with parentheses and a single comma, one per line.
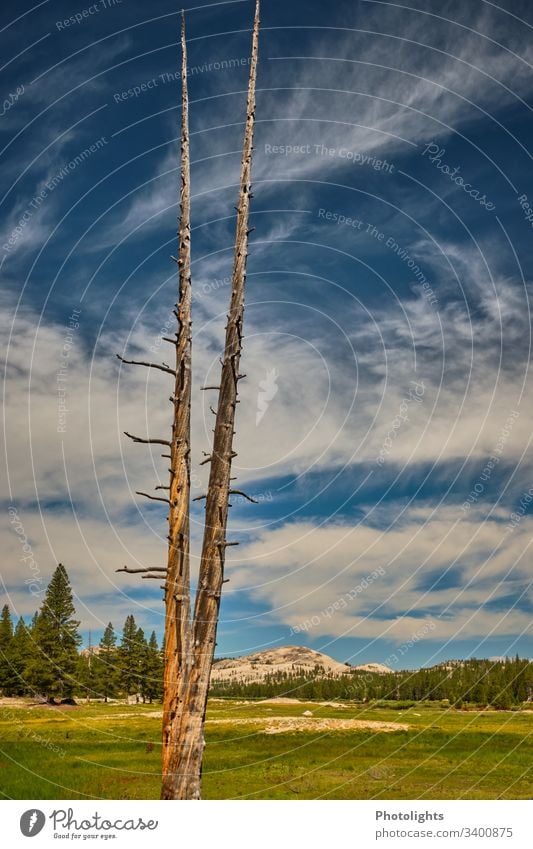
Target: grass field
(112,752)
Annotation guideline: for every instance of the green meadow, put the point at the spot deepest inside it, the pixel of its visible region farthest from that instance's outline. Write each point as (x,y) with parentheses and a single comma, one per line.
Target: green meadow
(111,751)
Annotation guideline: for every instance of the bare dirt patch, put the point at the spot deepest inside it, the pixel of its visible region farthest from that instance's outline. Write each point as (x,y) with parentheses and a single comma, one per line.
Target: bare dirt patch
(290,724)
(153,714)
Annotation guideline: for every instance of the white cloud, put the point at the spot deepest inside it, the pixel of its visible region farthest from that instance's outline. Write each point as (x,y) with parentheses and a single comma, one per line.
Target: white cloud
(314,576)
(344,369)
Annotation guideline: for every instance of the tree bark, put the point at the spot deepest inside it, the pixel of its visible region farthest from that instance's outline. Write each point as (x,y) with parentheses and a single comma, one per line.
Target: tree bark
(178,629)
(183,735)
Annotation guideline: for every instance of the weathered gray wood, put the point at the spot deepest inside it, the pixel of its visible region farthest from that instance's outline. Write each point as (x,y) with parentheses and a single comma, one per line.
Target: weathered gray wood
(178,629)
(190,645)
(185,763)
(161,367)
(146,441)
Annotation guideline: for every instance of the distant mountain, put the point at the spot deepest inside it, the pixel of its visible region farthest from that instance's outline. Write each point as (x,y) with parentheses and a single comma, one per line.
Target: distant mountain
(293,660)
(88,652)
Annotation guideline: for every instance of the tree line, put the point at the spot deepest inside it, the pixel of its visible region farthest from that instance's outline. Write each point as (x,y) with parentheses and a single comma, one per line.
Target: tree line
(42,657)
(501,684)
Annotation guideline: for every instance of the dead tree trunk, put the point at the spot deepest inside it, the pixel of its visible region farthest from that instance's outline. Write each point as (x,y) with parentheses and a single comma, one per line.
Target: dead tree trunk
(189,646)
(178,659)
(185,762)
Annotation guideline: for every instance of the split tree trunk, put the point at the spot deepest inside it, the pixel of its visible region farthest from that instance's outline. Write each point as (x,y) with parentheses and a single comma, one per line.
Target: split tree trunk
(185,712)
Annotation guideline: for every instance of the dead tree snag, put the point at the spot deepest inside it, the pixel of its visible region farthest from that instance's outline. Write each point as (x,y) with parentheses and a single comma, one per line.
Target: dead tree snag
(190,644)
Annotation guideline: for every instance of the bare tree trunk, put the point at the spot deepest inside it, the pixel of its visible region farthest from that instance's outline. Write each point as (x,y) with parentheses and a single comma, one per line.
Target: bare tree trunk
(178,629)
(189,646)
(185,749)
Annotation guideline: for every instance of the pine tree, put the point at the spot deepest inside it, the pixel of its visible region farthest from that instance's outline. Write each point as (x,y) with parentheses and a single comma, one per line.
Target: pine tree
(142,662)
(85,675)
(130,656)
(6,627)
(109,639)
(7,673)
(87,671)
(54,661)
(152,673)
(106,664)
(20,654)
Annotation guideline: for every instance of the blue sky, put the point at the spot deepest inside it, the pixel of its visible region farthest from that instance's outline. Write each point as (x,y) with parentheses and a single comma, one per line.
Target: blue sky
(384,426)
